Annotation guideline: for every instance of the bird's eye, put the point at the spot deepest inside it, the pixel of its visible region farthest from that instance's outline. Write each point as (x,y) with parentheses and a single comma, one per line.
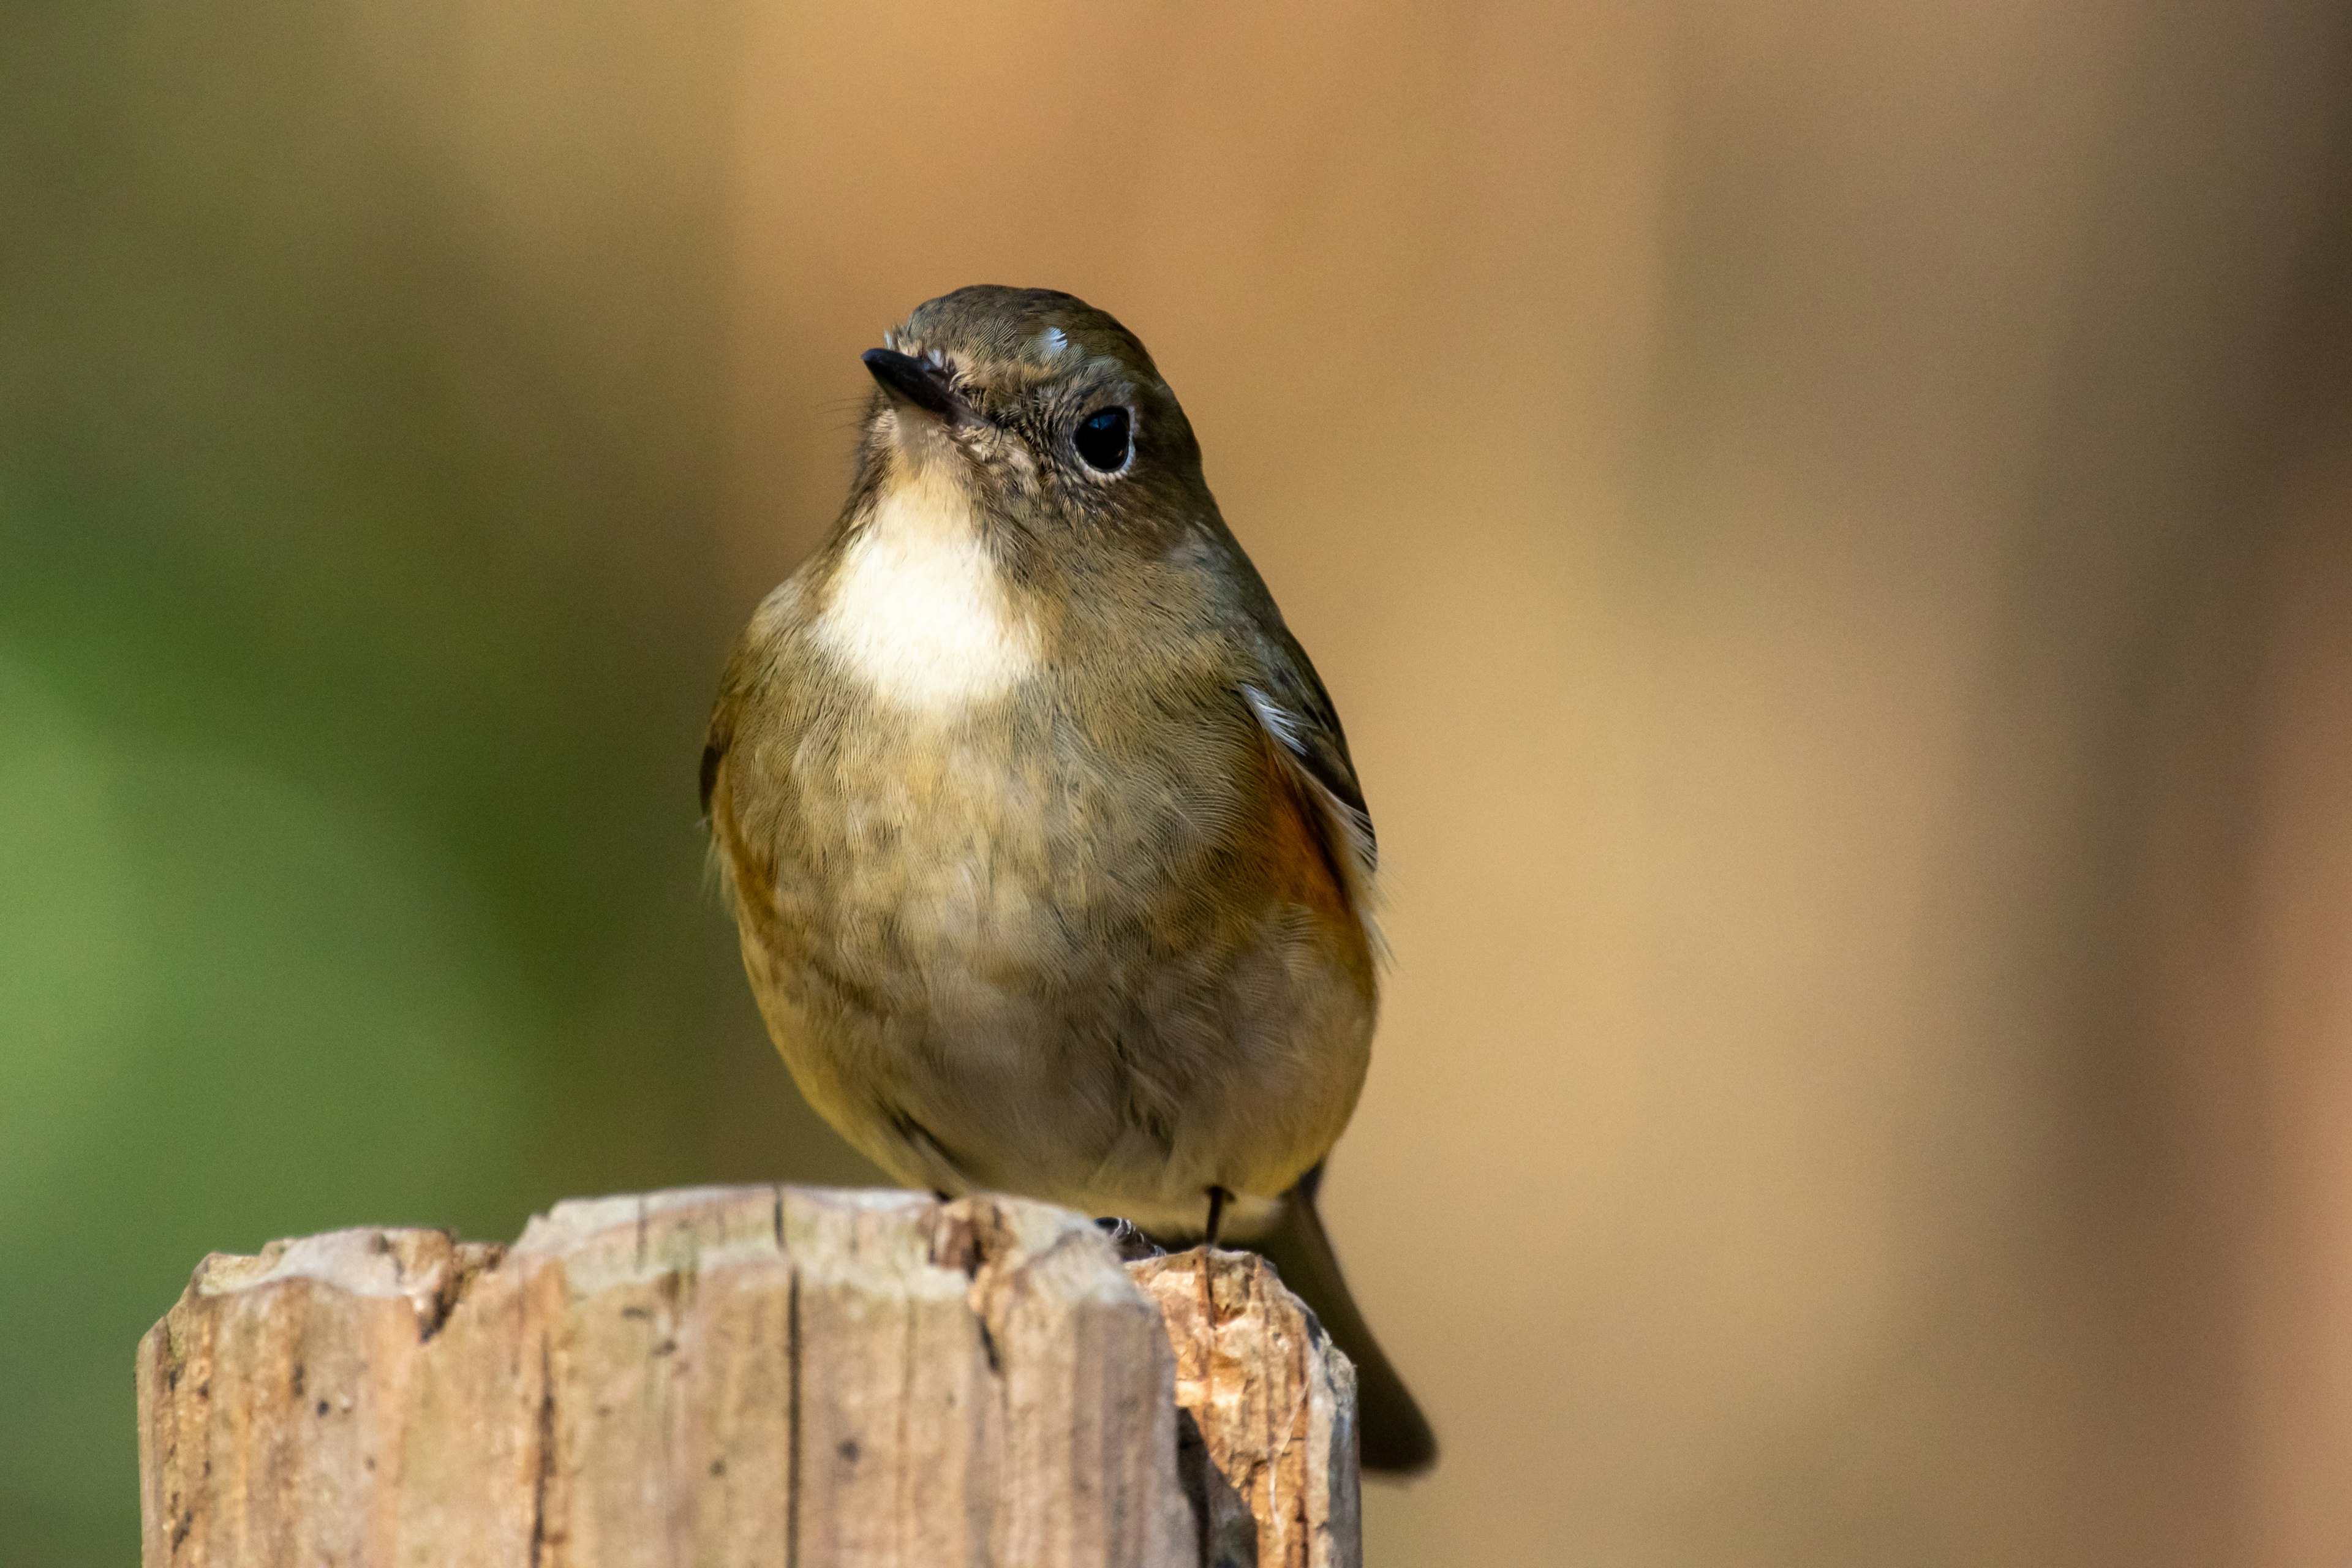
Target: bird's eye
(1101,439)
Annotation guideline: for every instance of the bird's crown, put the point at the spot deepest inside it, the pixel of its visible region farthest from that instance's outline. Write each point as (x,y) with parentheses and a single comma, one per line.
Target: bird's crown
(988,335)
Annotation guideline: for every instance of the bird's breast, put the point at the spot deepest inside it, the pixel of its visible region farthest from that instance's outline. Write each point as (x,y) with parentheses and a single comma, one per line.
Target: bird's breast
(951,842)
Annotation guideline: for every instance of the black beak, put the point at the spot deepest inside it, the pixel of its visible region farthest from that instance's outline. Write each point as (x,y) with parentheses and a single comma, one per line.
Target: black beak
(919,383)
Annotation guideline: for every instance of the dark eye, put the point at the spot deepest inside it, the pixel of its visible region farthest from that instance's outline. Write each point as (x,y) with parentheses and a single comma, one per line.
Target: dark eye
(1101,439)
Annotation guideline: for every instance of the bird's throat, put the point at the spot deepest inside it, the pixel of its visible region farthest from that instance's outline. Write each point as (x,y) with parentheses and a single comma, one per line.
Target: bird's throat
(918,611)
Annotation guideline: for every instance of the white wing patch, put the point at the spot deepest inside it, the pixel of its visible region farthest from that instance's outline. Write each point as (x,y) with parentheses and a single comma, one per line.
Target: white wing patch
(917,610)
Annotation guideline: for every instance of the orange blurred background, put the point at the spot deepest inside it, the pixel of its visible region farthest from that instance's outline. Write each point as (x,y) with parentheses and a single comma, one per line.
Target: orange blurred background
(1827,523)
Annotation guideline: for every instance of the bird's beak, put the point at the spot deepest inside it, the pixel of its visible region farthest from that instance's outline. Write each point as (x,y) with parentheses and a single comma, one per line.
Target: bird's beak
(918,383)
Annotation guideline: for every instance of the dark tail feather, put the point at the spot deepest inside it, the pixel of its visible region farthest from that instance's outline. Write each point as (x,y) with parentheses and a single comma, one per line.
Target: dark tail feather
(1395,1435)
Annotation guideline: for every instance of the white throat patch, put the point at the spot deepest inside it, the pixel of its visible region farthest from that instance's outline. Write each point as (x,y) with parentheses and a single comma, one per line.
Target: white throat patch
(917,610)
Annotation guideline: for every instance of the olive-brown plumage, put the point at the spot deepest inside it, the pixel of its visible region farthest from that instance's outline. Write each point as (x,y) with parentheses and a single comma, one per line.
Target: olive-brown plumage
(1049,861)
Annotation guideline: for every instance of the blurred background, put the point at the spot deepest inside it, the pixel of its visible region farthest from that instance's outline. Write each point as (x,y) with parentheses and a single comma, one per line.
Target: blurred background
(1830,522)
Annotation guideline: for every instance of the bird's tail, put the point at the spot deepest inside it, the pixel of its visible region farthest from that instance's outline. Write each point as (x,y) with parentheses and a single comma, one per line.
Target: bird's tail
(1395,1435)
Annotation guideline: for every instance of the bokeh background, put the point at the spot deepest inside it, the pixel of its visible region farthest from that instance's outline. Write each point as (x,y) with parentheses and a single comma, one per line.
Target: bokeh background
(1830,522)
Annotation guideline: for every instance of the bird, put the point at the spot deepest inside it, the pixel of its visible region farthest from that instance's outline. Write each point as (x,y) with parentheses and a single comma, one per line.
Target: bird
(1050,866)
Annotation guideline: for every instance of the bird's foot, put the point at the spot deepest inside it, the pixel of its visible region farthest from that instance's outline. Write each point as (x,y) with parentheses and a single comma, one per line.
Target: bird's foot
(1131,1245)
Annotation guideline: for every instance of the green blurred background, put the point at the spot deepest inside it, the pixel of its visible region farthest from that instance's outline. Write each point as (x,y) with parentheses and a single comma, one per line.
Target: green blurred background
(1830,522)
(360,600)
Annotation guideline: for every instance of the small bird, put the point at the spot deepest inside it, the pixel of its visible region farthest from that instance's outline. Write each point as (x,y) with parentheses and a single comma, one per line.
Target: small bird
(1050,868)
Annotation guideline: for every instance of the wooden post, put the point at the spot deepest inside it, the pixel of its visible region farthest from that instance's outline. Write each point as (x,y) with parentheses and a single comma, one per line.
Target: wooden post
(749,1375)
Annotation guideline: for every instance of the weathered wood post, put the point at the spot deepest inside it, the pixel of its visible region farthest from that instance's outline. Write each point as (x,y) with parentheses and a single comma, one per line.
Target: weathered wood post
(749,1375)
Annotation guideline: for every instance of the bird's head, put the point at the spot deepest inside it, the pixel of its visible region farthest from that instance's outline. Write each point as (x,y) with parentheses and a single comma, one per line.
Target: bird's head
(1035,410)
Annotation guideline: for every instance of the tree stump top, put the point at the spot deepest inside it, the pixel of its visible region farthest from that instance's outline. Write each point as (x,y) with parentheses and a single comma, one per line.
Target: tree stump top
(745,1375)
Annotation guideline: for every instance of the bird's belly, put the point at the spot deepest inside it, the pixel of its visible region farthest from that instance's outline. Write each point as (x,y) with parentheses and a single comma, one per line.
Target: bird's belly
(1016,969)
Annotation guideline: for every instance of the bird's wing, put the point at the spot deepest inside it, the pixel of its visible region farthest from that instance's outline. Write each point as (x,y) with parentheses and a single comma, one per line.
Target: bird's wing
(730,862)
(717,739)
(1295,712)
(714,750)
(753,653)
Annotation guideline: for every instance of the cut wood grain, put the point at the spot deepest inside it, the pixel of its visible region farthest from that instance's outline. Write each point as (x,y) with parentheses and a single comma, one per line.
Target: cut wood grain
(1274,1405)
(739,1376)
